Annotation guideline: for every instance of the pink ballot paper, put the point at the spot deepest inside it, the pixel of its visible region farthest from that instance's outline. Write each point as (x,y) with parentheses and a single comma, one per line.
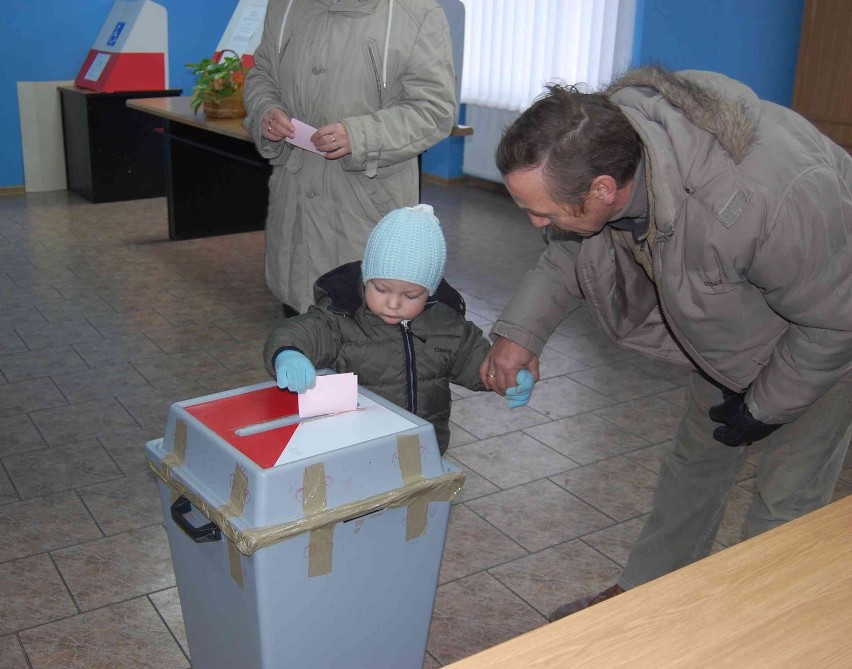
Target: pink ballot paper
(303,137)
(333,393)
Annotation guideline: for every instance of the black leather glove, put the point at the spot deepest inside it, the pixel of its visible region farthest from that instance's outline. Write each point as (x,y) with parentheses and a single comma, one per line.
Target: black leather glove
(740,427)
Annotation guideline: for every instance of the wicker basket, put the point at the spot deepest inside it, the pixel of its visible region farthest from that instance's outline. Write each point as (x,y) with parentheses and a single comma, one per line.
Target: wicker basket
(230,107)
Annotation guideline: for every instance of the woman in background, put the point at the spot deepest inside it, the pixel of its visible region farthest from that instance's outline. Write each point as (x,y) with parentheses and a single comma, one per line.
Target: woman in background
(376,79)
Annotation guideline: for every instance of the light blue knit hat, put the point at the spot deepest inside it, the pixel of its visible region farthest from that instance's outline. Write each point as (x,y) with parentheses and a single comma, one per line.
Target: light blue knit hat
(407,245)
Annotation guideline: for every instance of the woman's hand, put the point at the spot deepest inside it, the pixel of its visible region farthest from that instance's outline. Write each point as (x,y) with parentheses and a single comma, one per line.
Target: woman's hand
(333,139)
(277,125)
(500,368)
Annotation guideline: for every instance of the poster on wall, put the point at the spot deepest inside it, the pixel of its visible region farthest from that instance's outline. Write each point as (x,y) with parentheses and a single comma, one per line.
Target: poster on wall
(130,52)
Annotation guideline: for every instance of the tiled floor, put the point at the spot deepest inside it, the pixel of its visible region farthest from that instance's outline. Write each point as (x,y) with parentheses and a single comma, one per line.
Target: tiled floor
(104,323)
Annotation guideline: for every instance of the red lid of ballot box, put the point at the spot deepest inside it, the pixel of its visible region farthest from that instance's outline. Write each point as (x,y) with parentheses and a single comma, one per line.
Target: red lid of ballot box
(228,416)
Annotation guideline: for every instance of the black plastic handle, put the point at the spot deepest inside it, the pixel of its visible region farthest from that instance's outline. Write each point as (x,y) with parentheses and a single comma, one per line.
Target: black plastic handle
(200,535)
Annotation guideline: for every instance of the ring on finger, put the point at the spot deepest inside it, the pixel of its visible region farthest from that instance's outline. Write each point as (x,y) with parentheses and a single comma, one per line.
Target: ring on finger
(492,376)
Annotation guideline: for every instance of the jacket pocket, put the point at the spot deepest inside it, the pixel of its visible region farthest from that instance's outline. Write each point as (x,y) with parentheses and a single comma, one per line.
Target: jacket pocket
(374,65)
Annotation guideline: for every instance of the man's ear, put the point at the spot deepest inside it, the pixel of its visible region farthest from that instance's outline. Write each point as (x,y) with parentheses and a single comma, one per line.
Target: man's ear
(604,189)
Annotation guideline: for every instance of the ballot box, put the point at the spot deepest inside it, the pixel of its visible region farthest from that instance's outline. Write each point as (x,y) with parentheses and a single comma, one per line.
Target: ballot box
(313,542)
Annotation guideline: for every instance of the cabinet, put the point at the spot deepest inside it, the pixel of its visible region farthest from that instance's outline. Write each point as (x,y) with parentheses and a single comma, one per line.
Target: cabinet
(112,152)
(823,88)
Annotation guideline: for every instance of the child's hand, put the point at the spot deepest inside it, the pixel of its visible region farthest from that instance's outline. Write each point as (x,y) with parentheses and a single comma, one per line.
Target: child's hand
(519,395)
(294,371)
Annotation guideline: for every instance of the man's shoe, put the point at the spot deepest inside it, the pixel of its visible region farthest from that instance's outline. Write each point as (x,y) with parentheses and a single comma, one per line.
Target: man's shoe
(585,602)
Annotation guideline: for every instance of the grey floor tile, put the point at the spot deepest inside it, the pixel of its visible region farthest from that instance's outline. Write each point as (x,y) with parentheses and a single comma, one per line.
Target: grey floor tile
(474,485)
(44,362)
(31,593)
(29,396)
(473,545)
(113,569)
(12,653)
(512,459)
(60,468)
(586,438)
(127,449)
(552,577)
(167,603)
(127,635)
(475,613)
(50,335)
(616,487)
(19,435)
(43,524)
(107,381)
(539,515)
(113,350)
(621,382)
(8,493)
(459,437)
(561,397)
(124,504)
(487,415)
(86,419)
(615,542)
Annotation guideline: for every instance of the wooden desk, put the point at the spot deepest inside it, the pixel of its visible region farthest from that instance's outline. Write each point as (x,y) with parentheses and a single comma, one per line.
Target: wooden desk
(216,182)
(783,599)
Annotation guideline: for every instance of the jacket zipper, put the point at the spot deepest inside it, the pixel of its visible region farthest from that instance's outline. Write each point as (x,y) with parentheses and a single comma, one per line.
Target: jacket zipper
(410,366)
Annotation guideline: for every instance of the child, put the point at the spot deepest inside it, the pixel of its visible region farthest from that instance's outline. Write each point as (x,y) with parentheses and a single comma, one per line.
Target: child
(392,320)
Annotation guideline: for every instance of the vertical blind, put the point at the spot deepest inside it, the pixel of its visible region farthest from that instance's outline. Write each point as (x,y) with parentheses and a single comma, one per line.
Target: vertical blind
(512,48)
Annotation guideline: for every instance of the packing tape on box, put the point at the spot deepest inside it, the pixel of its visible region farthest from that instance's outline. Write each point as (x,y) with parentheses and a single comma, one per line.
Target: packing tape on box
(315,500)
(178,455)
(438,489)
(411,469)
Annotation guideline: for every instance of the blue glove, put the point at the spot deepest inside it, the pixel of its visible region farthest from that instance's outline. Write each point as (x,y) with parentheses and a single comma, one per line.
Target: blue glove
(294,371)
(519,395)
(740,427)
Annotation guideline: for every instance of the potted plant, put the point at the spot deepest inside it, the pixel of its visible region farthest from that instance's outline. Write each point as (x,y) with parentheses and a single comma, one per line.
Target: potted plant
(219,86)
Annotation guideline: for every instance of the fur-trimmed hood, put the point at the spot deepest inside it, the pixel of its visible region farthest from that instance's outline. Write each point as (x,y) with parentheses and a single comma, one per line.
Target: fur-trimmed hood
(713,102)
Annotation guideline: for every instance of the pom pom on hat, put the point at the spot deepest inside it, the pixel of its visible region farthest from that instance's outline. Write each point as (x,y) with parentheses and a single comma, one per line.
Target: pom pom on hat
(407,245)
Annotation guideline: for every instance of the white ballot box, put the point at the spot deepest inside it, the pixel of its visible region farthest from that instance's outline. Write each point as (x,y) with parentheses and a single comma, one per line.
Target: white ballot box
(303,543)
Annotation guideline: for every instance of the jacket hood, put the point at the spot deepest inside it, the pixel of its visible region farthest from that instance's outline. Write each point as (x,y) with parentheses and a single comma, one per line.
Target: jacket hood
(343,288)
(724,107)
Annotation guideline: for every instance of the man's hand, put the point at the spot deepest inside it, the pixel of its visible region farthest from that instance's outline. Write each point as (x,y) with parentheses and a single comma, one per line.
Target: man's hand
(500,367)
(740,427)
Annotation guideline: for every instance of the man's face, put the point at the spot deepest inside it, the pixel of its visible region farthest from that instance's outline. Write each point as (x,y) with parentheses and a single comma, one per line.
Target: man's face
(527,188)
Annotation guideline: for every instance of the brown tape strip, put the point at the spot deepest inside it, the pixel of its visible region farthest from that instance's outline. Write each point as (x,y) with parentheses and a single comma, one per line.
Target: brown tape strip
(314,501)
(234,557)
(408,454)
(439,489)
(239,493)
(411,468)
(177,457)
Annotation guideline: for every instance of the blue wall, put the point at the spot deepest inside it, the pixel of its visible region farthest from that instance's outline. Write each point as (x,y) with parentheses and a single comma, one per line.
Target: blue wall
(755,41)
(47,40)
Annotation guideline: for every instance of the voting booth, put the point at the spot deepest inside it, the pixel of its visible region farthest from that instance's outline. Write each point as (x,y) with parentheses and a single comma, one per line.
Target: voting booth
(242,36)
(130,52)
(303,541)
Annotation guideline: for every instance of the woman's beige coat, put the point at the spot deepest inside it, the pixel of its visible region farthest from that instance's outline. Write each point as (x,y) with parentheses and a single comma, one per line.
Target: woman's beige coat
(328,63)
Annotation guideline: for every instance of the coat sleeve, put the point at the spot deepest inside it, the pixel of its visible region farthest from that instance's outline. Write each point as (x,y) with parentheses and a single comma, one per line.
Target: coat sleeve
(424,114)
(261,91)
(314,333)
(473,347)
(546,295)
(804,269)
